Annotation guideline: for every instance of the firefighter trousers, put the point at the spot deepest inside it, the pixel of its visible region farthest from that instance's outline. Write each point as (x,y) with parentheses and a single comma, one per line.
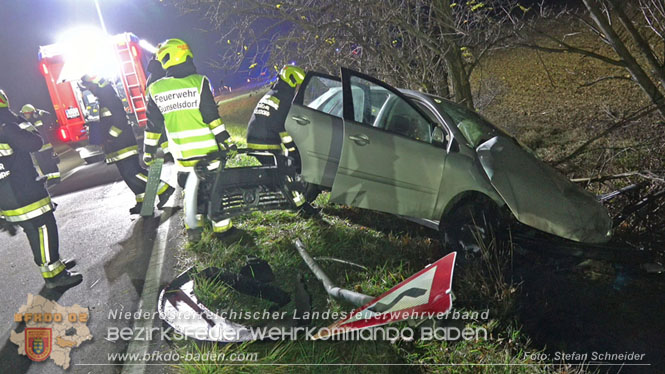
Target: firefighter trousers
(42,234)
(136,177)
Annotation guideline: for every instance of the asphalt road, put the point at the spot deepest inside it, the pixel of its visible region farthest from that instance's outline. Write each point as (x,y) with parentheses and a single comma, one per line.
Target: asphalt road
(113,251)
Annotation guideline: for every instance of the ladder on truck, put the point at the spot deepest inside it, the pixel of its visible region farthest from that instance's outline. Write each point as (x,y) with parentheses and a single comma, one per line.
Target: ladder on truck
(133,79)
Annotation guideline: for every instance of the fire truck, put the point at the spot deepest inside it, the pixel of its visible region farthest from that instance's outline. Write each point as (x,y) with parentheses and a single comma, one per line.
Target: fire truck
(121,59)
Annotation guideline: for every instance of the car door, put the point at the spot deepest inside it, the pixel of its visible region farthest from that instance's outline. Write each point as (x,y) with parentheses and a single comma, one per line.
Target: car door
(388,160)
(315,124)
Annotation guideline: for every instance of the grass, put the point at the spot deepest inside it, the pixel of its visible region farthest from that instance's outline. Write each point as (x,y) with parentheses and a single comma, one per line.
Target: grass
(391,250)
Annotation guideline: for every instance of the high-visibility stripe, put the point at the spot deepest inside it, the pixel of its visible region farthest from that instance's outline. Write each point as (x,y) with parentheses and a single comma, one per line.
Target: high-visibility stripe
(216,123)
(46,147)
(298,198)
(25,125)
(105,112)
(142,177)
(122,154)
(222,226)
(219,129)
(39,123)
(50,271)
(162,188)
(151,138)
(114,131)
(263,146)
(205,144)
(189,133)
(27,212)
(140,197)
(42,251)
(53,175)
(6,149)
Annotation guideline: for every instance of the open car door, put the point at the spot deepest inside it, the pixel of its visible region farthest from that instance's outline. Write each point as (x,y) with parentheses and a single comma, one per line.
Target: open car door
(388,161)
(315,124)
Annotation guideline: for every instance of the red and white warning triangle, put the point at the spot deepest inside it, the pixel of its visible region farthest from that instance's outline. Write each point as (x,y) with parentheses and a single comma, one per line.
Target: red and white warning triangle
(424,294)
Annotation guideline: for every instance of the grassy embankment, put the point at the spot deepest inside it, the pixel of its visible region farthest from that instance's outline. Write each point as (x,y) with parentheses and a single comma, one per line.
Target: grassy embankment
(540,99)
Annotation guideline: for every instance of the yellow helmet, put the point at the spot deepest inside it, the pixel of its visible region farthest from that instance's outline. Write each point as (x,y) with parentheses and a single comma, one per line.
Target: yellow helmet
(89,80)
(173,52)
(4,101)
(28,108)
(292,75)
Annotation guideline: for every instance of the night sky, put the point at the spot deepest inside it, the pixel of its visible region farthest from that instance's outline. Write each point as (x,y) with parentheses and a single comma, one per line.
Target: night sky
(27,24)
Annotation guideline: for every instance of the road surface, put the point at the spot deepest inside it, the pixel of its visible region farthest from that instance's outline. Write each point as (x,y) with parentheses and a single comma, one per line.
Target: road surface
(113,251)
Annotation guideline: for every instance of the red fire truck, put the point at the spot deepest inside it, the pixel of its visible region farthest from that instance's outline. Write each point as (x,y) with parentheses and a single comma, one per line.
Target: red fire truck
(120,58)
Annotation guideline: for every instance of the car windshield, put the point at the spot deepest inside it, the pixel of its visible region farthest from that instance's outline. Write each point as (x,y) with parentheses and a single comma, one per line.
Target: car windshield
(475,128)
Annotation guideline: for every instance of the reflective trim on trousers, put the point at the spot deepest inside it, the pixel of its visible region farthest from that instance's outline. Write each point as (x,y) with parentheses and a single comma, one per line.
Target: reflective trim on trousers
(222,226)
(115,132)
(122,154)
(298,198)
(263,147)
(27,212)
(50,271)
(140,197)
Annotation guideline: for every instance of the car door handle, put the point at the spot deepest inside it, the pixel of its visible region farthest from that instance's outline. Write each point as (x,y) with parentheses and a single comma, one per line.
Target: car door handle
(302,121)
(360,139)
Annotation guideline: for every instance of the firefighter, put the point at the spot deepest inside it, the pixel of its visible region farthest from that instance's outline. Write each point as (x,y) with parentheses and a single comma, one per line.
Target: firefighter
(25,201)
(266,132)
(119,143)
(45,160)
(182,105)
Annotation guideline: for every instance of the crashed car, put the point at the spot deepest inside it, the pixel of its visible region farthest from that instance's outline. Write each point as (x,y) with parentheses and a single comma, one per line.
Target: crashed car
(418,155)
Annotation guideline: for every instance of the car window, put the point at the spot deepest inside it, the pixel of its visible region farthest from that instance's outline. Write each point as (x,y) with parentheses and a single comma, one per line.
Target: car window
(368,99)
(401,118)
(475,128)
(324,95)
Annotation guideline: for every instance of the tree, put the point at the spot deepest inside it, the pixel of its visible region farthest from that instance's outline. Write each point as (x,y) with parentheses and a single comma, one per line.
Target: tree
(432,46)
(633,30)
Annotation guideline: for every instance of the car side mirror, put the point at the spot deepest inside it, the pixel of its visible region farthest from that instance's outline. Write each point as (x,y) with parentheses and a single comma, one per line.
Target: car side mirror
(438,136)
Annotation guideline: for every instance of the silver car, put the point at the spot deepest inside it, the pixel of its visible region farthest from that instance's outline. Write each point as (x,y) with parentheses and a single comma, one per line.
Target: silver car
(418,155)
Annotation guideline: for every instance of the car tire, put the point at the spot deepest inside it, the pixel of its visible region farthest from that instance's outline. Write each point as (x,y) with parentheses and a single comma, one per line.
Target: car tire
(474,222)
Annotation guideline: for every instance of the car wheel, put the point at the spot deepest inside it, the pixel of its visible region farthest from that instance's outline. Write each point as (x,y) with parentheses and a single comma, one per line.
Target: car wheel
(473,223)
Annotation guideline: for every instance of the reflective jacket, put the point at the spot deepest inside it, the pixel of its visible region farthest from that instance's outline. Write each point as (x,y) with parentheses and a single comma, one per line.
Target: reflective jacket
(118,139)
(22,197)
(265,130)
(36,124)
(182,105)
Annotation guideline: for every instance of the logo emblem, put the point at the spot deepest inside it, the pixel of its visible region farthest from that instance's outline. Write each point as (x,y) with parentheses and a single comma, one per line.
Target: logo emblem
(38,343)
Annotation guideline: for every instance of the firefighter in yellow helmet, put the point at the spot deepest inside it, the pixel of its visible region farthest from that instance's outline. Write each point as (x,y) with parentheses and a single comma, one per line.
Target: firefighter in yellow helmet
(182,105)
(266,132)
(24,201)
(45,160)
(119,143)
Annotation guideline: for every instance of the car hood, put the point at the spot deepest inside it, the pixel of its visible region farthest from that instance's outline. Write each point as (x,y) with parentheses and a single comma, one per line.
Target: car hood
(539,196)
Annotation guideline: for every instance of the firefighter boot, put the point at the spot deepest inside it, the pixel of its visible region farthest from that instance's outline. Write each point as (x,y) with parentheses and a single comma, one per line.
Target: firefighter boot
(64,279)
(136,209)
(164,197)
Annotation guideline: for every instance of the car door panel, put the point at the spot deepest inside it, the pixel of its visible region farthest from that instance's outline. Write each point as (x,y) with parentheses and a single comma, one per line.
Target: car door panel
(383,171)
(317,135)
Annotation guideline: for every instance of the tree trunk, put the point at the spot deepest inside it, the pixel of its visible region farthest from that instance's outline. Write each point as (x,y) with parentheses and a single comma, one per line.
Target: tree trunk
(633,67)
(456,71)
